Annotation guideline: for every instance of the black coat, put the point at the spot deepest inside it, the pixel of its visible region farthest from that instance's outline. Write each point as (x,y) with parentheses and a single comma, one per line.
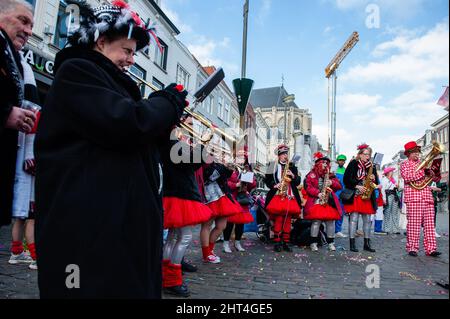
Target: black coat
(351,180)
(8,138)
(98,181)
(179,179)
(271,179)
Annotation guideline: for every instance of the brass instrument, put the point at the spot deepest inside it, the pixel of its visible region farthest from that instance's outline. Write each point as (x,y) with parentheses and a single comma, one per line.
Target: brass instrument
(437,150)
(211,127)
(325,191)
(285,180)
(368,184)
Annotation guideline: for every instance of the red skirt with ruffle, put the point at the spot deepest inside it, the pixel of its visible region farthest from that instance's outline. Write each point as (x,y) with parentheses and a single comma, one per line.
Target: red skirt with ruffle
(280,205)
(244,217)
(224,207)
(180,212)
(319,212)
(362,206)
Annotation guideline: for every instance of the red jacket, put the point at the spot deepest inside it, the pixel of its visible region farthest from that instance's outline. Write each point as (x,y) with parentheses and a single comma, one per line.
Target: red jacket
(312,187)
(232,184)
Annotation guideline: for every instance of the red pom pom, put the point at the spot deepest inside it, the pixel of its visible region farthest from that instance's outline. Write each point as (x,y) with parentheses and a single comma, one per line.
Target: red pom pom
(318,155)
(120,4)
(179,88)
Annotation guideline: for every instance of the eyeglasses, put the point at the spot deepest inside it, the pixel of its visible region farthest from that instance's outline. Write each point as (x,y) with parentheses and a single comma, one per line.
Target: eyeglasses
(367,154)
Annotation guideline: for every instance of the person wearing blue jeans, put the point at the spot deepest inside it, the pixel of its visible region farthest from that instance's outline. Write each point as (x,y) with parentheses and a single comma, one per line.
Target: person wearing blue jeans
(340,175)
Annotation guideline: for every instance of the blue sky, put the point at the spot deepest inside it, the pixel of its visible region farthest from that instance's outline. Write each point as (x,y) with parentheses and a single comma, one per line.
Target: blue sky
(387,86)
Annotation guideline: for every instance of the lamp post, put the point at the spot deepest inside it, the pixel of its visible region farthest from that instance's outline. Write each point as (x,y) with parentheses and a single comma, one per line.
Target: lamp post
(286,100)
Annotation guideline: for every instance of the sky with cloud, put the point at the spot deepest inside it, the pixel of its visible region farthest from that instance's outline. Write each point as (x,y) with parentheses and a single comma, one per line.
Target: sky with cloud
(387,86)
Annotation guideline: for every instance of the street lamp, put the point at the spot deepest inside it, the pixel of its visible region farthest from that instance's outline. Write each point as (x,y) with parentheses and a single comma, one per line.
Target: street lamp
(286,100)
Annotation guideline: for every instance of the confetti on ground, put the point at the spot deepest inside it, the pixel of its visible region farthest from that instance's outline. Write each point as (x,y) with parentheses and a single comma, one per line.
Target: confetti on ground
(407,274)
(357,259)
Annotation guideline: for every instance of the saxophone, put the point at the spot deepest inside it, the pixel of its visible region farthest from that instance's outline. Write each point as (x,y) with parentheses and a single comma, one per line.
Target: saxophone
(369,185)
(285,180)
(325,191)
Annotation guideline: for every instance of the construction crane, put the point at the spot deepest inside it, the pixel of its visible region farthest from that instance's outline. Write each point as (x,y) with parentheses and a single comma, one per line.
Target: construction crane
(330,74)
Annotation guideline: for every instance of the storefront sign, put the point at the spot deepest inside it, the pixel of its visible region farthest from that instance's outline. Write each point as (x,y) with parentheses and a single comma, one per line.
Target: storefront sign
(38,62)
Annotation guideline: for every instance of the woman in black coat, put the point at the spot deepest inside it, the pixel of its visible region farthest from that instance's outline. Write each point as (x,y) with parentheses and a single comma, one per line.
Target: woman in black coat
(356,173)
(98,182)
(282,208)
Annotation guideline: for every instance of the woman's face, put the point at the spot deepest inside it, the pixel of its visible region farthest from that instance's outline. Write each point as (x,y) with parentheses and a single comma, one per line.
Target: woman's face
(365,156)
(121,51)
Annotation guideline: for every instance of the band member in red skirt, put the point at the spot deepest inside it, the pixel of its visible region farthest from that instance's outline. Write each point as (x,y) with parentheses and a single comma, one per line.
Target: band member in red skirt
(219,200)
(355,177)
(323,204)
(183,208)
(241,195)
(281,204)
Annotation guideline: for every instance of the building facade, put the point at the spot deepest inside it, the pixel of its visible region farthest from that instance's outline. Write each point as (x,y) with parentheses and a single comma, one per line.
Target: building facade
(287,123)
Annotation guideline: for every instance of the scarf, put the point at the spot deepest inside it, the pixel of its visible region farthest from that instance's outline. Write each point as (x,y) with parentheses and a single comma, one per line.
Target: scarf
(25,163)
(362,169)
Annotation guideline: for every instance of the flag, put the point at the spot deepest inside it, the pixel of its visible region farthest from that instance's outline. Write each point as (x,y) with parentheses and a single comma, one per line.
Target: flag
(443,101)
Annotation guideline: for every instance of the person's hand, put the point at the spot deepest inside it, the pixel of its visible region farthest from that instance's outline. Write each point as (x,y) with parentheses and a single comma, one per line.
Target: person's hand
(20,119)
(29,166)
(179,92)
(289,173)
(380,187)
(361,189)
(372,177)
(238,184)
(429,172)
(329,183)
(277,186)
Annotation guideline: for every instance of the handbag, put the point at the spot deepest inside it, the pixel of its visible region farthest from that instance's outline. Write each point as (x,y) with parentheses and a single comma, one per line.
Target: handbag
(243,199)
(347,195)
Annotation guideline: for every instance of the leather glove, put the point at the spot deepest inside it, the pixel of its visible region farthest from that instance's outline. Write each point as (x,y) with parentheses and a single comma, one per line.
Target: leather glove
(176,94)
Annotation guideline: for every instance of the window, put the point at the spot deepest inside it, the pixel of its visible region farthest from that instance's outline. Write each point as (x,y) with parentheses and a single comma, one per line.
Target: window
(60,38)
(158,83)
(210,104)
(220,107)
(141,73)
(161,57)
(182,76)
(226,116)
(297,125)
(32,2)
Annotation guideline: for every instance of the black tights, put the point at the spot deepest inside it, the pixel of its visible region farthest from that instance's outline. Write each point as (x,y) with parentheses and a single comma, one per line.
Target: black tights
(238,231)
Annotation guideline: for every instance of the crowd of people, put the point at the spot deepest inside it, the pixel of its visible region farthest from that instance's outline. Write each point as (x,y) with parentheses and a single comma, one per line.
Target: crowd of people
(94,167)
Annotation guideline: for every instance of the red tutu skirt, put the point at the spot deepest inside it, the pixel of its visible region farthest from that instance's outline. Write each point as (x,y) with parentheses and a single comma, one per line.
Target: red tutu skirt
(180,212)
(244,217)
(360,206)
(319,212)
(224,207)
(280,205)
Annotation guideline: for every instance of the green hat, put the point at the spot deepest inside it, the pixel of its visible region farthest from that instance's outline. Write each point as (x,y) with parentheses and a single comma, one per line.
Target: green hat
(341,157)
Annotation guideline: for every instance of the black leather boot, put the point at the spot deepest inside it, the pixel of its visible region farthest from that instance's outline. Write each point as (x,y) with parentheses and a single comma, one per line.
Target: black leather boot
(186,267)
(352,245)
(367,245)
(278,247)
(287,248)
(180,291)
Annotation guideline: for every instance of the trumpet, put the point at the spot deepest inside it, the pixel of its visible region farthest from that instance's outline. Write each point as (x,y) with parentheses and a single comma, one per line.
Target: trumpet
(190,113)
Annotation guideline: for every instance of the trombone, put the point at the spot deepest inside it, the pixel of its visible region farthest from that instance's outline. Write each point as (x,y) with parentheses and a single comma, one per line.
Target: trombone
(190,113)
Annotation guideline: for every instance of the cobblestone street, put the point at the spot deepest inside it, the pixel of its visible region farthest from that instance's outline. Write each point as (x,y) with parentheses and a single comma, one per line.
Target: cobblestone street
(261,273)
